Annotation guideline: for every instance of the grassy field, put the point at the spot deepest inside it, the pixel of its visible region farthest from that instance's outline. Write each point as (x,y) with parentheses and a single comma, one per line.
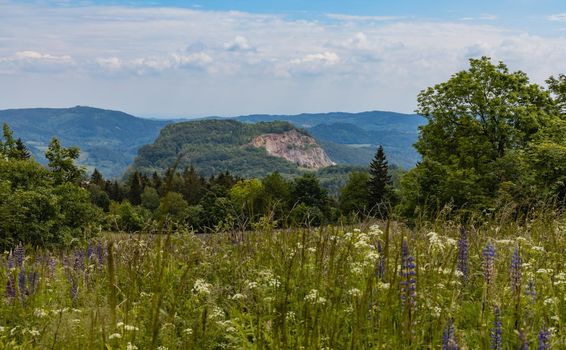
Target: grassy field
(383,286)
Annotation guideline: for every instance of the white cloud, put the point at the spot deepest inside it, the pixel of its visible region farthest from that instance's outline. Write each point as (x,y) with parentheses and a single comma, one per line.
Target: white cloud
(240,43)
(559,17)
(182,61)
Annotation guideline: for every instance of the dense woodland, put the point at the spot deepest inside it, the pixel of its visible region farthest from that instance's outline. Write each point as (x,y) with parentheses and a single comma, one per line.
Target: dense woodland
(494,142)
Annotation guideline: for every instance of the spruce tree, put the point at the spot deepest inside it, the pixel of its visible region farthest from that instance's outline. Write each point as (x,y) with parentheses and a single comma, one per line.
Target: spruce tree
(136,189)
(21,150)
(96,178)
(378,183)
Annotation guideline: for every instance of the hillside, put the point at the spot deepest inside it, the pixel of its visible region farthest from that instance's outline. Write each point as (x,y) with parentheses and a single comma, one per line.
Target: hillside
(109,140)
(351,138)
(214,146)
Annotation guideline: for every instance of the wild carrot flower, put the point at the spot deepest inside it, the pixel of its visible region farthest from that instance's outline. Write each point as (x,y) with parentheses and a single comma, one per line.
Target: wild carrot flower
(463,253)
(448,338)
(489,263)
(516,272)
(408,276)
(496,331)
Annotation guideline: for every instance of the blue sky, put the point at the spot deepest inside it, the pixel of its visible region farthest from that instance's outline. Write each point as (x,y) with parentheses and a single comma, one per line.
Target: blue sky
(198,58)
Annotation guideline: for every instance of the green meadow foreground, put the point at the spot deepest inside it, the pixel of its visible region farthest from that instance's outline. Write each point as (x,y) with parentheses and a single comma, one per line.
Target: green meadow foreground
(499,286)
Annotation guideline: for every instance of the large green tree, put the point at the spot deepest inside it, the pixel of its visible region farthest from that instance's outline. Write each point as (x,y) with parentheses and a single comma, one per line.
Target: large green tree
(480,124)
(379,183)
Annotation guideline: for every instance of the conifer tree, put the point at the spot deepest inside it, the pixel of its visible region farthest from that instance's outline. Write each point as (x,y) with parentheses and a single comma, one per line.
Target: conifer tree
(21,150)
(378,183)
(96,178)
(136,189)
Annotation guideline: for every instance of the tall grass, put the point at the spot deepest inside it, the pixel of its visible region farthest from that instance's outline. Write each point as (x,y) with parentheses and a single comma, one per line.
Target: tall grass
(382,287)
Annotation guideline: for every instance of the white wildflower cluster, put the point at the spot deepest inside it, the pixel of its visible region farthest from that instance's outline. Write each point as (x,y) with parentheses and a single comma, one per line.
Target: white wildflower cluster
(201,287)
(131,346)
(40,313)
(537,248)
(227,325)
(375,231)
(216,313)
(188,331)
(269,279)
(438,243)
(127,327)
(382,285)
(362,242)
(115,336)
(547,272)
(252,285)
(355,292)
(238,296)
(356,268)
(290,316)
(559,279)
(314,298)
(504,241)
(551,301)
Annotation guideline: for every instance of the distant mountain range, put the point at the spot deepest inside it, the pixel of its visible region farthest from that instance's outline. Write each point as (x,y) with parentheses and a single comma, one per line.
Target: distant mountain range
(110,140)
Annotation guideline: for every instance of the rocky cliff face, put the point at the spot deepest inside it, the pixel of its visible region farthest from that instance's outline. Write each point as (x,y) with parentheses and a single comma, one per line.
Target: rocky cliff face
(296,147)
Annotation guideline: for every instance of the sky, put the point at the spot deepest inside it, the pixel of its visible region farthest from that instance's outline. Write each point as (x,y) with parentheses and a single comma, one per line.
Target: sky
(171,58)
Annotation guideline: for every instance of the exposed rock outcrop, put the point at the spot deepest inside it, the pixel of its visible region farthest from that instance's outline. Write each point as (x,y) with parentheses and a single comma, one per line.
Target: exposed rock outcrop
(296,147)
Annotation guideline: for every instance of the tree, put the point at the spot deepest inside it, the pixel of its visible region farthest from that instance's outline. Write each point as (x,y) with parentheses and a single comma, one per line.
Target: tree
(354,195)
(306,190)
(480,122)
(21,150)
(62,163)
(378,183)
(136,189)
(96,178)
(7,147)
(150,198)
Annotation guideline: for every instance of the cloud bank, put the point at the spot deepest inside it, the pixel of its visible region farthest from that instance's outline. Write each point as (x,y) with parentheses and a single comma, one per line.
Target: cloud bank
(190,62)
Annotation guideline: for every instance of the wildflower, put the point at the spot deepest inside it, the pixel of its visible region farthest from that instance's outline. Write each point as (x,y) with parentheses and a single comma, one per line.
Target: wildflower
(34,332)
(530,291)
(516,272)
(543,339)
(408,276)
(128,327)
(463,253)
(374,230)
(488,263)
(131,346)
(115,336)
(524,343)
(201,287)
(290,316)
(19,255)
(547,272)
(252,285)
(448,338)
(238,296)
(188,331)
(436,243)
(355,292)
(40,313)
(496,331)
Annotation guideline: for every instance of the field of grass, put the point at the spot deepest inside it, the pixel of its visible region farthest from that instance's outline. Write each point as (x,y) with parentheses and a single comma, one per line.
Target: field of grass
(371,287)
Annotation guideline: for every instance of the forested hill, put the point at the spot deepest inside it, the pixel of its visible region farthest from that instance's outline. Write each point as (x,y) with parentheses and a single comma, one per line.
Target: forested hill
(351,138)
(109,140)
(247,150)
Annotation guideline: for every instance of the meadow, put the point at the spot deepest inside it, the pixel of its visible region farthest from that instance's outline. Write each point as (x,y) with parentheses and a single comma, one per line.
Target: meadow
(498,285)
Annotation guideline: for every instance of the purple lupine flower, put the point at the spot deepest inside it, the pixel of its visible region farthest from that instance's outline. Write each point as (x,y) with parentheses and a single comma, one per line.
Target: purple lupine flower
(22,282)
(51,265)
(100,253)
(463,253)
(531,291)
(496,331)
(380,270)
(89,251)
(515,272)
(448,338)
(79,262)
(543,339)
(524,343)
(10,263)
(10,287)
(19,255)
(489,263)
(408,276)
(33,281)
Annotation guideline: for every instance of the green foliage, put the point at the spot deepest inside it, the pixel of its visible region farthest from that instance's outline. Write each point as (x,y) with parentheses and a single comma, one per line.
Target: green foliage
(62,163)
(150,198)
(34,210)
(126,217)
(485,125)
(174,206)
(354,196)
(379,184)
